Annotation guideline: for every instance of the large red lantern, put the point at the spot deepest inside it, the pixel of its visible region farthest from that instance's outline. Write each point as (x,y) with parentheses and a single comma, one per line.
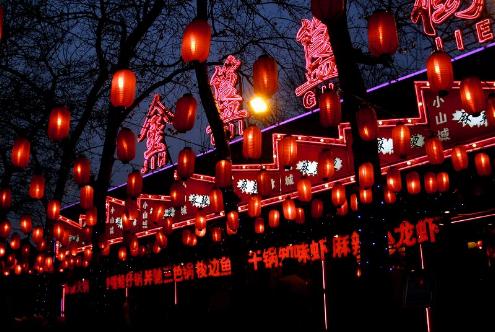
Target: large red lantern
(326,166)
(58,231)
(472,96)
(223,173)
(26,223)
(37,234)
(82,170)
(413,182)
(366,175)
(5,198)
(200,220)
(394,180)
(196,41)
(325,10)
(87,197)
(185,113)
(21,152)
(304,189)
(216,234)
(37,186)
(443,182)
(288,151)
(440,72)
(265,76)
(330,109)
(122,253)
(289,209)
(126,145)
(263,183)
(158,213)
(259,225)
(430,182)
(317,208)
(92,217)
(233,220)
(15,241)
(389,196)
(401,137)
(53,209)
(382,34)
(367,123)
(216,200)
(354,202)
(185,163)
(338,195)
(490,110)
(459,158)
(482,163)
(273,218)
(251,144)
(5,228)
(434,150)
(254,206)
(365,195)
(177,194)
(59,123)
(123,89)
(161,239)
(134,183)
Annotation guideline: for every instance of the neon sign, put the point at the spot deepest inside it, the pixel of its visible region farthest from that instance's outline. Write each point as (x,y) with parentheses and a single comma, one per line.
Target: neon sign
(153,131)
(228,99)
(320,61)
(409,235)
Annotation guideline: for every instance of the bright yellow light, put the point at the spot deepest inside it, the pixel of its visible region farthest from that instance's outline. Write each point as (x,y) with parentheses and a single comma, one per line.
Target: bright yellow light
(259,105)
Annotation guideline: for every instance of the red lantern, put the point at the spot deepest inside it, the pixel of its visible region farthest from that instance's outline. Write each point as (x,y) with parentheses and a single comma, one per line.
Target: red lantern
(430,179)
(440,72)
(21,152)
(254,206)
(259,225)
(459,158)
(216,200)
(5,198)
(185,113)
(196,41)
(443,182)
(37,187)
(265,76)
(177,194)
(53,209)
(401,137)
(200,220)
(354,203)
(230,231)
(26,223)
(413,182)
(134,183)
(187,237)
(5,228)
(126,145)
(252,143)
(330,109)
(25,250)
(394,180)
(288,151)
(122,253)
(87,197)
(366,175)
(367,123)
(316,208)
(92,217)
(216,234)
(161,239)
(365,195)
(338,195)
(382,34)
(389,196)
(200,232)
(37,235)
(82,170)
(131,209)
(15,241)
(300,216)
(490,109)
(168,225)
(472,97)
(17,269)
(343,209)
(233,220)
(185,163)
(434,150)
(326,166)
(263,183)
(325,10)
(2,249)
(304,189)
(274,218)
(482,163)
(58,231)
(59,123)
(158,213)
(123,89)
(289,209)
(223,173)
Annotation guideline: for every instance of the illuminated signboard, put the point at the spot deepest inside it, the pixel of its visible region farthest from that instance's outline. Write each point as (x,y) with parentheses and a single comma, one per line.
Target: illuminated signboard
(408,235)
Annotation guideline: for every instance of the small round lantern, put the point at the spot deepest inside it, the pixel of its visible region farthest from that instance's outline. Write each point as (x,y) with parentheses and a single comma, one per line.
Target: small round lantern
(5,198)
(482,163)
(185,113)
(430,182)
(186,163)
(59,123)
(216,200)
(289,209)
(394,180)
(317,208)
(459,158)
(134,183)
(304,189)
(37,187)
(265,76)
(440,72)
(366,175)
(126,145)
(259,225)
(365,195)
(367,123)
(21,151)
(87,197)
(401,137)
(252,143)
(326,165)
(434,150)
(330,109)
(223,173)
(443,182)
(123,89)
(26,223)
(254,206)
(472,97)
(382,34)
(338,195)
(82,170)
(413,182)
(288,151)
(53,209)
(274,218)
(196,41)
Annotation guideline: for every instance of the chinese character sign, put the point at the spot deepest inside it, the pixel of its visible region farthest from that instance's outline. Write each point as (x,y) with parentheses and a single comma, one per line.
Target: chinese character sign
(408,235)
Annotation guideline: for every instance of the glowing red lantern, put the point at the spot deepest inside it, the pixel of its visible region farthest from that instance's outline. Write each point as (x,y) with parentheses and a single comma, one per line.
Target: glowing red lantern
(389,196)
(126,145)
(273,218)
(216,234)
(123,89)
(401,137)
(365,195)
(472,97)
(216,200)
(482,163)
(156,248)
(289,209)
(200,232)
(82,170)
(37,234)
(161,239)
(440,72)
(254,206)
(87,197)
(233,220)
(59,123)
(288,151)
(17,269)
(338,195)
(413,182)
(394,180)
(58,231)
(330,109)
(367,123)
(26,223)
(490,109)
(317,208)
(366,175)
(343,209)
(325,10)
(430,182)
(326,165)
(263,183)
(177,194)
(354,202)
(434,150)
(5,198)
(131,209)
(300,216)
(200,220)
(53,209)
(21,152)
(158,213)
(2,249)
(5,228)
(187,237)
(25,250)
(185,113)
(185,163)
(15,241)
(92,217)
(223,173)
(168,225)
(37,187)
(459,158)
(259,225)
(304,189)
(122,253)
(252,143)
(265,76)
(443,182)
(134,183)
(382,34)
(230,231)
(196,41)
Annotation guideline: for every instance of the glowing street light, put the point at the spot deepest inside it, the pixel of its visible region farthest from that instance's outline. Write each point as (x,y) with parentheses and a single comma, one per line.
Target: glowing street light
(259,105)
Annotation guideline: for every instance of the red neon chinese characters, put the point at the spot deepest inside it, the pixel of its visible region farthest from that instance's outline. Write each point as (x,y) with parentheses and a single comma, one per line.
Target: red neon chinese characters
(406,231)
(341,246)
(153,130)
(224,85)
